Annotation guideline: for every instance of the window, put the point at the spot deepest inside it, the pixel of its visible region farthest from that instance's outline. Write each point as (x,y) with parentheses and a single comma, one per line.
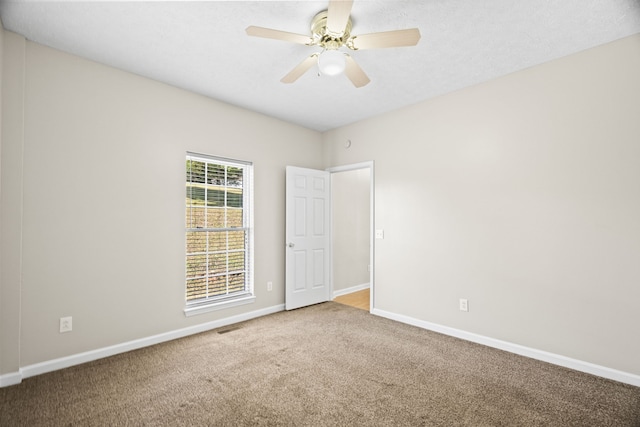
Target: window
(218,233)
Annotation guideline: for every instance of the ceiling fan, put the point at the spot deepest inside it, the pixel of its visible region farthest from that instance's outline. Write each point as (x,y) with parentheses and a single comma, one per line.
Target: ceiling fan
(331,30)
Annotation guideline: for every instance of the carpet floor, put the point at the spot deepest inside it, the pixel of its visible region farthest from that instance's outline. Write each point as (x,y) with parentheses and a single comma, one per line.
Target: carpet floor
(324,365)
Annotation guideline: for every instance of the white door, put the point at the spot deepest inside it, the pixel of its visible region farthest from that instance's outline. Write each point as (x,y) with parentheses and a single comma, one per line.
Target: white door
(308,238)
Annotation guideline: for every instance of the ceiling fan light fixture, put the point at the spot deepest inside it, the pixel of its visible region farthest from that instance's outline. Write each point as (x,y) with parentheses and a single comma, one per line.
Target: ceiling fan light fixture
(331,31)
(331,62)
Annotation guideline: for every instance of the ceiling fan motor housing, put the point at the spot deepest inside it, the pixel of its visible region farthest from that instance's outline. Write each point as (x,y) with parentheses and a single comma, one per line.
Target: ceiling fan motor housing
(325,38)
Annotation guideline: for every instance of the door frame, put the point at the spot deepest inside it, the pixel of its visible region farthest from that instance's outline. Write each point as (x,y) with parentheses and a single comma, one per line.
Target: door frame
(358,166)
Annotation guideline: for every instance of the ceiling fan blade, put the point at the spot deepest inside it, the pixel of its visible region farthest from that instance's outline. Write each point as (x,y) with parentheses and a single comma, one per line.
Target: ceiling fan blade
(396,38)
(300,69)
(269,33)
(355,73)
(338,15)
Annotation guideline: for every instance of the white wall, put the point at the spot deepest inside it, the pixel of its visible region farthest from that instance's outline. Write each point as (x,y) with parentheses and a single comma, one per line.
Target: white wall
(103,224)
(350,200)
(522,195)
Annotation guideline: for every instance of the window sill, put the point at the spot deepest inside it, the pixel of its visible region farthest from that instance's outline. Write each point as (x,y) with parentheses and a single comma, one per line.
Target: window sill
(219,305)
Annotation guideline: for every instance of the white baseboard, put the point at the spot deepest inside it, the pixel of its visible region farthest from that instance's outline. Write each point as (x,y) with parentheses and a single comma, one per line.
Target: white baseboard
(76,359)
(555,359)
(14,378)
(10,379)
(350,290)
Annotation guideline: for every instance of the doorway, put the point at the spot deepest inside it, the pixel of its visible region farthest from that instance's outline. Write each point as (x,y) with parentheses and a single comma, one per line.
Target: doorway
(313,273)
(352,234)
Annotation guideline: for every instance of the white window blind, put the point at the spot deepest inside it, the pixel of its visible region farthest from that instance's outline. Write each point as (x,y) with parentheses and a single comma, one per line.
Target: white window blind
(218,229)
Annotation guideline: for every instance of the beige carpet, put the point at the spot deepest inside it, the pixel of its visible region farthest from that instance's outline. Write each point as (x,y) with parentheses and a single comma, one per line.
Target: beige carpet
(327,364)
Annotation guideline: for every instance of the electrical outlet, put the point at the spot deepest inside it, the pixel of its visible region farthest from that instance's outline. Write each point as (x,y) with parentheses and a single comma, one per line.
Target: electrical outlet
(464,304)
(269,286)
(379,234)
(66,324)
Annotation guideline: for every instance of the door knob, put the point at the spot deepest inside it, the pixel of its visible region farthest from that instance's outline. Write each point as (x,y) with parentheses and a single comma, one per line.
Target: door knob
(291,245)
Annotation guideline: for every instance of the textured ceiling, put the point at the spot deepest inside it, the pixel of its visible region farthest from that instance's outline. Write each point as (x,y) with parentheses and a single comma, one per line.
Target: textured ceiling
(202,47)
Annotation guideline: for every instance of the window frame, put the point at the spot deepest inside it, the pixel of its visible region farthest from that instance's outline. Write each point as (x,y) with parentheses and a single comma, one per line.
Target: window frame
(246,296)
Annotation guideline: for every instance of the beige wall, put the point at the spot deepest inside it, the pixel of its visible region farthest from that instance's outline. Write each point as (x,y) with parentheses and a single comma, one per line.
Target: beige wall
(11,201)
(103,232)
(351,232)
(2,345)
(521,195)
